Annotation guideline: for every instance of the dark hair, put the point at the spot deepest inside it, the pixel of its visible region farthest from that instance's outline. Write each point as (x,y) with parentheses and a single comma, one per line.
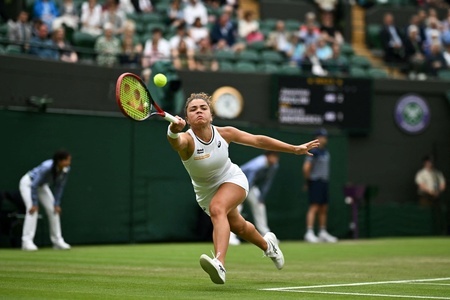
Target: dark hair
(427,157)
(202,96)
(57,157)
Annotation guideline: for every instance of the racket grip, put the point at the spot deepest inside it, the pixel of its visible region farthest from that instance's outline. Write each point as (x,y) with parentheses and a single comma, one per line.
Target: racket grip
(170,118)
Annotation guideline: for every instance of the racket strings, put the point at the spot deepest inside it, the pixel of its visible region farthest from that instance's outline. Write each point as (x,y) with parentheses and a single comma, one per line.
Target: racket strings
(134,99)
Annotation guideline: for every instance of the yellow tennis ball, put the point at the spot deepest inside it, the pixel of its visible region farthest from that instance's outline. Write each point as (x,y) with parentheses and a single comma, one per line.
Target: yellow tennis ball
(160,80)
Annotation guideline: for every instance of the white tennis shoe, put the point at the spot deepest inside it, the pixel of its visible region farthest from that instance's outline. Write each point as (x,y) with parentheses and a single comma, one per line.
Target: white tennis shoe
(310,237)
(324,236)
(214,268)
(61,245)
(29,246)
(273,251)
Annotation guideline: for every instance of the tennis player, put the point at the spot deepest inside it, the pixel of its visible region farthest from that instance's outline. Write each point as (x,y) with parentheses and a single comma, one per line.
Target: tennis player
(34,187)
(220,186)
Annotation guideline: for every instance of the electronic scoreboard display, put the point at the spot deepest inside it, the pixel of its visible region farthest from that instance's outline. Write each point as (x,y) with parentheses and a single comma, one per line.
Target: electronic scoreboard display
(341,102)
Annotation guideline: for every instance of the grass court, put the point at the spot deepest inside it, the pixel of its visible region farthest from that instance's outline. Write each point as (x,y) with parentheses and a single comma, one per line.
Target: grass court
(400,268)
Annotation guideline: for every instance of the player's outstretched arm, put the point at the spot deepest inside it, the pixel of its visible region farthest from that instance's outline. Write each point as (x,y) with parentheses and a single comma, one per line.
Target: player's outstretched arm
(177,139)
(231,134)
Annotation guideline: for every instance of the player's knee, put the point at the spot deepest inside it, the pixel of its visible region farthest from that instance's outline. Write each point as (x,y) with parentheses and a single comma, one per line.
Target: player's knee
(216,211)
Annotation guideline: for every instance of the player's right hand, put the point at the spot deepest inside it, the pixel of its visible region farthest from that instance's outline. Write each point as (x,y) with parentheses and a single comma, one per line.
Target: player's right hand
(33,209)
(178,127)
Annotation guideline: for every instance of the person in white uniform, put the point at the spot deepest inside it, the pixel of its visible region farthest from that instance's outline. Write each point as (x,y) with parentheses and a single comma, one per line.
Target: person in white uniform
(220,186)
(34,187)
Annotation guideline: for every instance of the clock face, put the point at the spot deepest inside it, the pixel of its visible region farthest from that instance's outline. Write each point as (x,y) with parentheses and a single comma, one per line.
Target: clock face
(227,103)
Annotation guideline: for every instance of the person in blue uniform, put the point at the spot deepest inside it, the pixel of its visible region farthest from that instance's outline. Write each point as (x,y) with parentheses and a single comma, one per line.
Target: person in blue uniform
(34,188)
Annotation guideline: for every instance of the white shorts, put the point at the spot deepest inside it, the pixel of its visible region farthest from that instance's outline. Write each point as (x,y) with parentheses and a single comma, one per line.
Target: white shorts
(204,194)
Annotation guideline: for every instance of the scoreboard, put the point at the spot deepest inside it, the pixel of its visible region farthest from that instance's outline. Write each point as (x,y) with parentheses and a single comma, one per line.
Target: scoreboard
(316,101)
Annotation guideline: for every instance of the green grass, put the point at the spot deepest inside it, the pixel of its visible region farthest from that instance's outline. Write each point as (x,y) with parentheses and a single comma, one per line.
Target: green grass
(172,271)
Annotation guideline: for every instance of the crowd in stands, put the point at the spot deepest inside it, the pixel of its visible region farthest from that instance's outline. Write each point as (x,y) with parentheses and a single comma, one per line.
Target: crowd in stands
(421,49)
(190,33)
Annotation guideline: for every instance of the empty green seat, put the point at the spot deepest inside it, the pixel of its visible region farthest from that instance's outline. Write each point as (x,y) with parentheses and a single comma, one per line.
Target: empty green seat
(357,72)
(84,40)
(377,73)
(272,56)
(269,68)
(226,66)
(373,39)
(360,61)
(292,25)
(257,46)
(151,18)
(245,66)
(290,70)
(248,55)
(268,24)
(444,74)
(347,50)
(13,49)
(223,55)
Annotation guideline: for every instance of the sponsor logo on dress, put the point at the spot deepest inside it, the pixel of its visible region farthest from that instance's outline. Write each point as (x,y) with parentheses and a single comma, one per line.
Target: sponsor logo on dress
(219,144)
(412,114)
(200,151)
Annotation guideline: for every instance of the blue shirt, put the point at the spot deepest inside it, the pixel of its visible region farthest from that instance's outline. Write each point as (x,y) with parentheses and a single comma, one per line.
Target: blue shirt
(259,173)
(320,164)
(41,175)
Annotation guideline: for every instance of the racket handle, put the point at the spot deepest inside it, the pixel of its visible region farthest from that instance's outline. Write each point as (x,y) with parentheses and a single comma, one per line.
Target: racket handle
(170,118)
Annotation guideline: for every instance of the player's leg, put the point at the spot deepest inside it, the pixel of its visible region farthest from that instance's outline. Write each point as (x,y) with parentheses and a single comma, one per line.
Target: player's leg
(268,243)
(226,199)
(30,222)
(47,200)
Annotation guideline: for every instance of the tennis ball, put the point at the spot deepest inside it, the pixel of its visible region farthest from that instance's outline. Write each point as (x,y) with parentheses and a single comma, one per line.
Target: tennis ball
(160,80)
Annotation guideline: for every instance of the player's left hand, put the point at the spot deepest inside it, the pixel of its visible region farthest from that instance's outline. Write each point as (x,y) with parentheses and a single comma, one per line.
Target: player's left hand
(57,209)
(304,148)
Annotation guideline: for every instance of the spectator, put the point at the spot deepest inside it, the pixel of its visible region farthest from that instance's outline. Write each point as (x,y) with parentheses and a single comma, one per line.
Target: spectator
(69,16)
(142,6)
(114,16)
(338,63)
(323,50)
(45,10)
(195,9)
(34,188)
(65,50)
(310,35)
(392,40)
(414,52)
(329,30)
(175,14)
(432,34)
(131,48)
(91,18)
(297,51)
(204,58)
(247,24)
(156,49)
(446,55)
(198,32)
(316,170)
(224,29)
(181,36)
(279,39)
(41,46)
(435,60)
(183,57)
(260,172)
(20,31)
(107,47)
(431,184)
(126,7)
(310,24)
(311,63)
(415,21)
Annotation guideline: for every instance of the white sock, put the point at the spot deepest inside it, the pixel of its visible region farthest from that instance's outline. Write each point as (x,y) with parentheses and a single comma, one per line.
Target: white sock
(310,230)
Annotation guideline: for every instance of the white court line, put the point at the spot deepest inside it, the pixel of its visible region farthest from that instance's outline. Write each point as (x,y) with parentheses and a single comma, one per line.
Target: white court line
(355,284)
(369,295)
(425,283)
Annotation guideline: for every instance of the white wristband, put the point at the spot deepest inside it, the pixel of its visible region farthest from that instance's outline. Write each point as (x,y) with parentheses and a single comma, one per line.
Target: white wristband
(171,134)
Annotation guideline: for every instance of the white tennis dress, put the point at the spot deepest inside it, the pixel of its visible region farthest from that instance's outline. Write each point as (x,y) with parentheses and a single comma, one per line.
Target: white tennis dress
(210,166)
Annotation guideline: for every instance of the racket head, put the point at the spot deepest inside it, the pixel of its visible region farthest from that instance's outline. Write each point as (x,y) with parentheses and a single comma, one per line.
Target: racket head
(133,97)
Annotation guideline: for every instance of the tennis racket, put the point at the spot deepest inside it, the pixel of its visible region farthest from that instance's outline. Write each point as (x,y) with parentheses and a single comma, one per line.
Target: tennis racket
(135,101)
